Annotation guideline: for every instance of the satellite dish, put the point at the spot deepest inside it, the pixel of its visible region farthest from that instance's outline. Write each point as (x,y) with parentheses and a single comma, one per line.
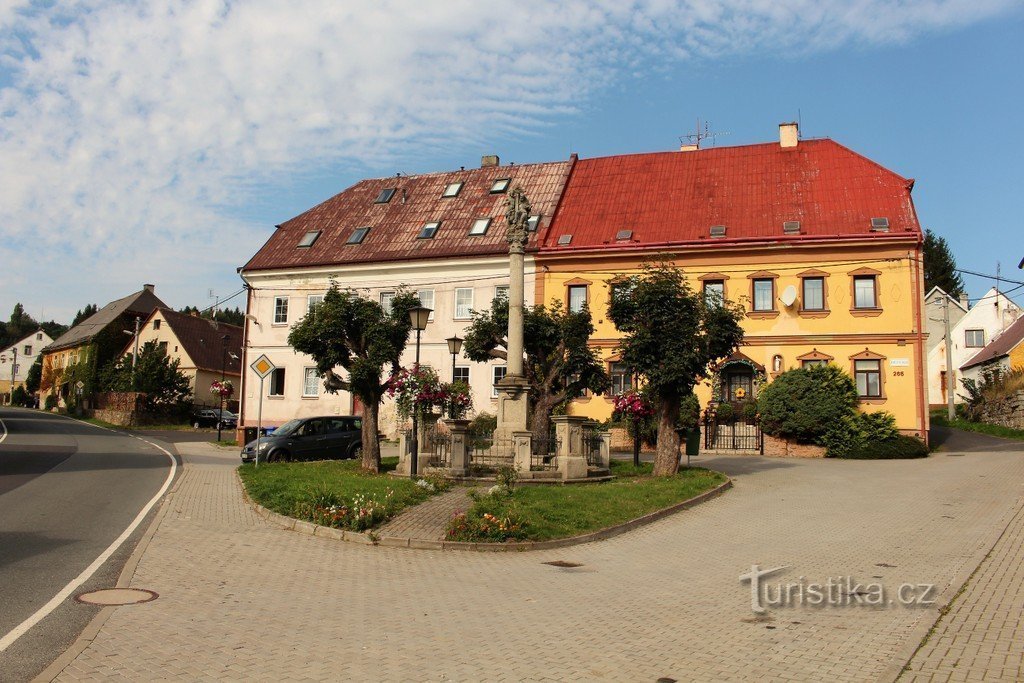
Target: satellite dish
(788,297)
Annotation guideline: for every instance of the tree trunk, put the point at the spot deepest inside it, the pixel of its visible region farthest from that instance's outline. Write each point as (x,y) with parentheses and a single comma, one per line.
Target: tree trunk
(540,426)
(371,445)
(666,457)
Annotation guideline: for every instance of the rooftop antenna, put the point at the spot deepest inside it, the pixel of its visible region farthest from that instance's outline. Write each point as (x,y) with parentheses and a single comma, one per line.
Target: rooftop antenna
(700,135)
(799,123)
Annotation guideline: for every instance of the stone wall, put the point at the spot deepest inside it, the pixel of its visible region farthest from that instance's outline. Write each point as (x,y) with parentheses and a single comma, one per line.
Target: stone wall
(776,447)
(123,408)
(623,442)
(1008,412)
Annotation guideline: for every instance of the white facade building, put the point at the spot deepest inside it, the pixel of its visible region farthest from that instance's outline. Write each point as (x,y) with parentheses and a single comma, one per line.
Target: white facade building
(17,358)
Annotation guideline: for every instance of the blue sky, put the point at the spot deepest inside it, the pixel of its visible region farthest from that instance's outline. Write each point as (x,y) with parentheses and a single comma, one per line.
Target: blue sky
(161,142)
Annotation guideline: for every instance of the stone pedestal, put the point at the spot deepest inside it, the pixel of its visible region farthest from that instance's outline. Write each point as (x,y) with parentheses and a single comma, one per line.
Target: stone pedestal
(425,428)
(513,407)
(606,449)
(570,457)
(459,446)
(522,450)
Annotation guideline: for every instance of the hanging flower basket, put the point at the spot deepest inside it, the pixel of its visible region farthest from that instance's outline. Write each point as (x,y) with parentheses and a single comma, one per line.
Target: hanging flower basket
(222,389)
(632,405)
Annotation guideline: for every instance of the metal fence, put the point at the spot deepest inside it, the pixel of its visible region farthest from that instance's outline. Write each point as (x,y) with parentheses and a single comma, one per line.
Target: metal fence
(738,435)
(542,452)
(488,453)
(592,447)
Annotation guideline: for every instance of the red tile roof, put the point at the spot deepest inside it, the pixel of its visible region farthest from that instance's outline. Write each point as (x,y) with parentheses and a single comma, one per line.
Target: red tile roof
(394,226)
(675,197)
(1000,346)
(202,339)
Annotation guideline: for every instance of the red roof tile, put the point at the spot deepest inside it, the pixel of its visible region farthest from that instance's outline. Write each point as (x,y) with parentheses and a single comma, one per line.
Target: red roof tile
(394,226)
(202,339)
(1000,346)
(675,197)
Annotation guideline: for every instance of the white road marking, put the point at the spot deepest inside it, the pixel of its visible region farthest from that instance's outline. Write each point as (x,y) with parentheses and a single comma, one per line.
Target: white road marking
(22,628)
(4,435)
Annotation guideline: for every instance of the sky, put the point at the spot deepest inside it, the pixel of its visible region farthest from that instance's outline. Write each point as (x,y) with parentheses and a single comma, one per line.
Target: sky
(160,142)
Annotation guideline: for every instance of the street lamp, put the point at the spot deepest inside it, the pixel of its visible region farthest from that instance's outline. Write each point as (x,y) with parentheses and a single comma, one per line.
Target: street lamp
(419,317)
(454,346)
(223,362)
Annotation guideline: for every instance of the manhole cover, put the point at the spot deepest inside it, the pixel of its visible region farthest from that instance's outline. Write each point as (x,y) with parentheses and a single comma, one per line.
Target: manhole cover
(117,596)
(563,563)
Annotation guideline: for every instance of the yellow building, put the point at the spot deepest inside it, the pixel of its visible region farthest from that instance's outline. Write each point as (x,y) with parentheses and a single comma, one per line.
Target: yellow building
(821,245)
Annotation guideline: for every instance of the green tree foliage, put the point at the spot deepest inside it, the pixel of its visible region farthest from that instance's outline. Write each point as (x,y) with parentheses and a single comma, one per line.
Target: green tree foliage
(19,397)
(557,362)
(34,376)
(21,324)
(156,375)
(358,336)
(940,266)
(801,404)
(671,337)
(84,313)
(231,316)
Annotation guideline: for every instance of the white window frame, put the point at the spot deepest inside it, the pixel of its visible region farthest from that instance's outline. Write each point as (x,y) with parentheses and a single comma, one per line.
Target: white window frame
(495,379)
(279,308)
(452,189)
(973,332)
(480,227)
(313,299)
(284,381)
(390,296)
(873,279)
(755,290)
(502,291)
(467,373)
(429,303)
(618,369)
(568,296)
(305,383)
(469,308)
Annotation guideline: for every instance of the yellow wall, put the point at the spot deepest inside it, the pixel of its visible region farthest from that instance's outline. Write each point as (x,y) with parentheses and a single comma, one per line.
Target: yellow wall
(890,332)
(1017,356)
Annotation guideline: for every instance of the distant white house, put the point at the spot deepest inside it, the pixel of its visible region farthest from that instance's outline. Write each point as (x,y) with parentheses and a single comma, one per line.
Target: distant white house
(973,330)
(17,358)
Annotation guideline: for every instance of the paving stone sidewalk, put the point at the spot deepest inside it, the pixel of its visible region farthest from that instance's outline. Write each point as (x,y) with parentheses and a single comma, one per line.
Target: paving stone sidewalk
(243,599)
(428,521)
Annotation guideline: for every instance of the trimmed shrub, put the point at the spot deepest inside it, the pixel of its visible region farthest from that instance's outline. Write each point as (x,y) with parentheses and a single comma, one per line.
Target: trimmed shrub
(898,448)
(724,412)
(859,431)
(51,402)
(802,404)
(689,412)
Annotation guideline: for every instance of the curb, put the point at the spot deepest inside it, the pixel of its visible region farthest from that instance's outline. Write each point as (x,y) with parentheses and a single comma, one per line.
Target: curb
(369,538)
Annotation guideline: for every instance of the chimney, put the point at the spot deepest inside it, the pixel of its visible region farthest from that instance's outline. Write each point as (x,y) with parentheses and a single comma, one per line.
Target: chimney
(489,160)
(149,288)
(789,134)
(689,147)
(965,301)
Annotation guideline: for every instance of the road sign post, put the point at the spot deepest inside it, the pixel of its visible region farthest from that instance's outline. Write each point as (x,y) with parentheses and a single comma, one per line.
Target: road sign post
(262,367)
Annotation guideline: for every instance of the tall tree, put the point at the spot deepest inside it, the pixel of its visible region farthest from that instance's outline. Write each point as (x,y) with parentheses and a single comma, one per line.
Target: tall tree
(358,336)
(672,335)
(557,361)
(940,266)
(84,313)
(154,374)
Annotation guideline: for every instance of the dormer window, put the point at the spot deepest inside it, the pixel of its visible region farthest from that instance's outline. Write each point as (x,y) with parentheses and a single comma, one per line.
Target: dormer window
(718,231)
(879,225)
(309,238)
(429,230)
(564,240)
(357,236)
(385,195)
(623,235)
(791,227)
(500,185)
(532,222)
(480,226)
(452,190)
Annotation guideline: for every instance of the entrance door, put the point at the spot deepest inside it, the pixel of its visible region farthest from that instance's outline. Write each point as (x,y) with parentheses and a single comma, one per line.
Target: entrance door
(737,384)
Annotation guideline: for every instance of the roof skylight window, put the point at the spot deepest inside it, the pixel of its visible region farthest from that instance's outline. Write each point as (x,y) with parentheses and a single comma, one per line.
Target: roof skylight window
(791,227)
(385,195)
(452,190)
(879,225)
(532,222)
(357,236)
(563,240)
(500,185)
(718,231)
(623,235)
(480,226)
(429,230)
(309,238)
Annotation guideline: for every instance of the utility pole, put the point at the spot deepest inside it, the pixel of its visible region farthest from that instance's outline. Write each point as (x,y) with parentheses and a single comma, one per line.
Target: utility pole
(950,410)
(14,366)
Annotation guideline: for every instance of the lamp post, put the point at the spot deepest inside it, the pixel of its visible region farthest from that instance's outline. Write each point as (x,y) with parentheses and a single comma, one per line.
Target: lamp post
(454,346)
(223,362)
(419,317)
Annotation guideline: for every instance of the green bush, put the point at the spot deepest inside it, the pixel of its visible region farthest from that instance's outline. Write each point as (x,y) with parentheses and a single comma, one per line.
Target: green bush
(802,404)
(724,412)
(51,402)
(750,411)
(689,412)
(19,397)
(898,448)
(857,432)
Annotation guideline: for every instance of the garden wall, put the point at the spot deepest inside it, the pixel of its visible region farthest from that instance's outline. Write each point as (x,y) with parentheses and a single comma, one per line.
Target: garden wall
(123,408)
(1007,412)
(776,447)
(622,441)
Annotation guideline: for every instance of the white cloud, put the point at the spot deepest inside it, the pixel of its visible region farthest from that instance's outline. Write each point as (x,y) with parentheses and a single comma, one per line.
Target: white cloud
(131,133)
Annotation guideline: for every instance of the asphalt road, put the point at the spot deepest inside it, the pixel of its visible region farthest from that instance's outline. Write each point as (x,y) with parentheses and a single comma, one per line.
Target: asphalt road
(67,491)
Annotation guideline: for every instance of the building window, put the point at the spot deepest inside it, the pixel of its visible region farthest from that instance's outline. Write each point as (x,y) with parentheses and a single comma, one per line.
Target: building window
(622,380)
(426,297)
(39,336)
(452,190)
(385,195)
(281,310)
(357,236)
(501,292)
(308,239)
(813,363)
(764,294)
(386,299)
(461,373)
(864,294)
(868,375)
(277,382)
(813,298)
(714,292)
(480,226)
(312,300)
(27,350)
(577,298)
(463,303)
(310,382)
(156,324)
(429,230)
(532,222)
(163,347)
(15,366)
(499,374)
(974,339)
(500,185)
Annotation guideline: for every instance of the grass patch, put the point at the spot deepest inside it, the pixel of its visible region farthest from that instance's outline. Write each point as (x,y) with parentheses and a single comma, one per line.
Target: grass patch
(980,427)
(540,513)
(334,493)
(226,442)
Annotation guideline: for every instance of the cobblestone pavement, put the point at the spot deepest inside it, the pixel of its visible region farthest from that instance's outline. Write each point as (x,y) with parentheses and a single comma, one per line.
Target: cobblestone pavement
(429,520)
(242,599)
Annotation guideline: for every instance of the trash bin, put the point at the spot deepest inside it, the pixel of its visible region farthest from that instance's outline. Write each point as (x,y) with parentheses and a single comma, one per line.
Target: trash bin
(693,441)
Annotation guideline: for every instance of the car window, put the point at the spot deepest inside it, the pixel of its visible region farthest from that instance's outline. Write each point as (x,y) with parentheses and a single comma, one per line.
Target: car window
(287,428)
(357,424)
(335,425)
(311,428)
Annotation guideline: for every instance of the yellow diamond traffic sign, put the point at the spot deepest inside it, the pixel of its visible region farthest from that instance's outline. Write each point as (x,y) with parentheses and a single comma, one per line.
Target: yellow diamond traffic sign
(262,366)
